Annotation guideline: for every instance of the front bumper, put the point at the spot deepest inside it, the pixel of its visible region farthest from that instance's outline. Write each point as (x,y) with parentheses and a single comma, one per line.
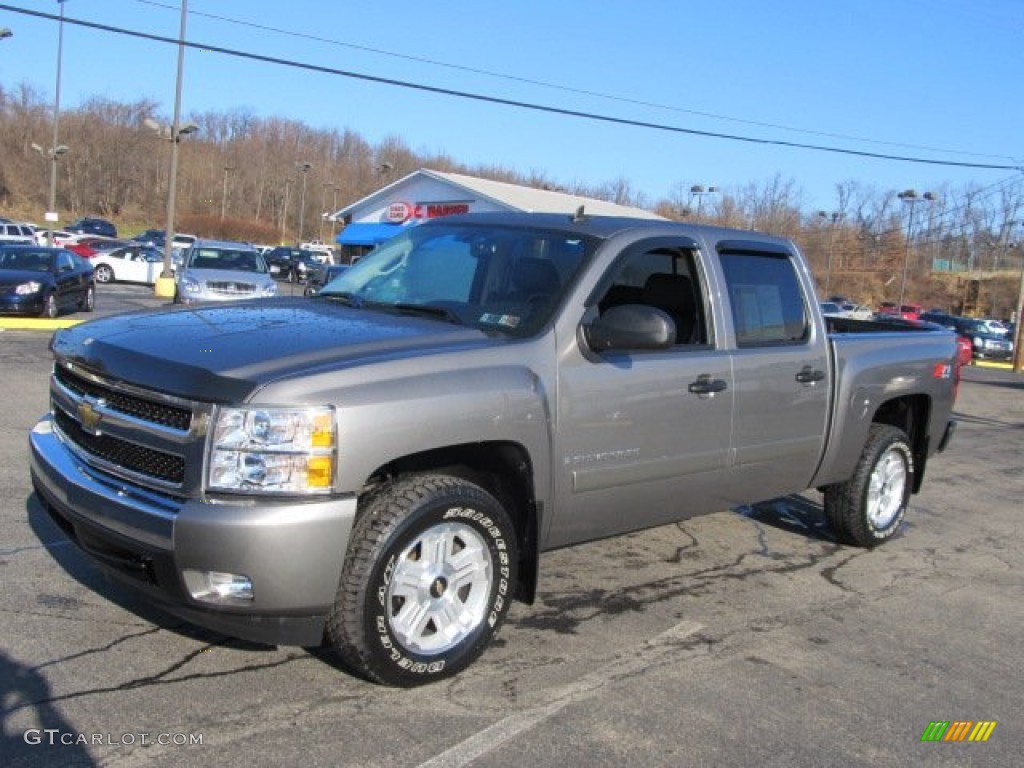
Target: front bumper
(291,550)
(32,304)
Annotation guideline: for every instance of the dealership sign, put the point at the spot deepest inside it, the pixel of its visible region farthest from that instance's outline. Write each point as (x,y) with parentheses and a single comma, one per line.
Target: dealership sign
(399,212)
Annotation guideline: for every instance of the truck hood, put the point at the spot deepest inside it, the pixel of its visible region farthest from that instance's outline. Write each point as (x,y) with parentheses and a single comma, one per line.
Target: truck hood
(225,353)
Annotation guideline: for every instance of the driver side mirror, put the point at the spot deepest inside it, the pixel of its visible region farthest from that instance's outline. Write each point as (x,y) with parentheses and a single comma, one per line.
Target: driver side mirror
(630,326)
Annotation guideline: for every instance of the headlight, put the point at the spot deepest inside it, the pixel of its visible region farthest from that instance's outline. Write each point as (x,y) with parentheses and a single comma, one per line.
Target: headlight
(273,450)
(270,289)
(190,284)
(26,289)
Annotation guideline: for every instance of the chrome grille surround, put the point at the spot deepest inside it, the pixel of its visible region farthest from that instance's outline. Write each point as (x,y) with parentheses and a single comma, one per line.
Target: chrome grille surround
(145,437)
(231,288)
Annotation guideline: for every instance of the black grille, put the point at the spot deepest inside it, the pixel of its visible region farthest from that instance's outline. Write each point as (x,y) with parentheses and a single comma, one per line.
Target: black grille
(132,405)
(134,458)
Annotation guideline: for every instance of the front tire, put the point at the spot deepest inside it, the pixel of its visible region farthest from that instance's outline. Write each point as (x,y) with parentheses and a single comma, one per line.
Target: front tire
(88,302)
(868,508)
(104,274)
(427,581)
(50,307)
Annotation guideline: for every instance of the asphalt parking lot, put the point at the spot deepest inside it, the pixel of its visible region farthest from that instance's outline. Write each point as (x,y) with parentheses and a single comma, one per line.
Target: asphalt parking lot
(746,637)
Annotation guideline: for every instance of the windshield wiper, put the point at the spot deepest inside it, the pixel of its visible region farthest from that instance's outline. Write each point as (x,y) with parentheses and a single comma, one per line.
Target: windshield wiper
(430,310)
(349,299)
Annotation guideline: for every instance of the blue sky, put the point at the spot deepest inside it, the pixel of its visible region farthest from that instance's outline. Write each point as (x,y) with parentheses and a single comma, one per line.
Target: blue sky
(932,79)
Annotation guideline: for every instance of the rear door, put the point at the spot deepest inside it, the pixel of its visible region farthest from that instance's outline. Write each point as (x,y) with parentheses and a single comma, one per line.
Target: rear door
(782,385)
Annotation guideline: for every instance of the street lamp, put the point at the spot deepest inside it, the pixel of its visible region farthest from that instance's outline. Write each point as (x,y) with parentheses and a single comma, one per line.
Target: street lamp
(699,191)
(910,198)
(224,192)
(284,207)
(303,169)
(5,32)
(165,283)
(51,154)
(323,205)
(56,148)
(834,217)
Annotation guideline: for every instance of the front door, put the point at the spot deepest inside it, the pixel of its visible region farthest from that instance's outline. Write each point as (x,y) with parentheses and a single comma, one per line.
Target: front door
(643,436)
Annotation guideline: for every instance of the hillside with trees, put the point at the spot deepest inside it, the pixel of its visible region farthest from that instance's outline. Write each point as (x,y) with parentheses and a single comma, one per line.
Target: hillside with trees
(240,176)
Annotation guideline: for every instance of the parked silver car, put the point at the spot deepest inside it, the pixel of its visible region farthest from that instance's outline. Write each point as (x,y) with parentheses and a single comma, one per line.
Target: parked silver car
(222,270)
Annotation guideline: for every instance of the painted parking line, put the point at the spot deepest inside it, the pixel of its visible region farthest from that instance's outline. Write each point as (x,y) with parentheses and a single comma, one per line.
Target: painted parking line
(991,364)
(37,323)
(625,666)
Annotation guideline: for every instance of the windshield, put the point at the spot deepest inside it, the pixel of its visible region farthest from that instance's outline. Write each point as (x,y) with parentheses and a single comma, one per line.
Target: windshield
(225,258)
(32,261)
(507,280)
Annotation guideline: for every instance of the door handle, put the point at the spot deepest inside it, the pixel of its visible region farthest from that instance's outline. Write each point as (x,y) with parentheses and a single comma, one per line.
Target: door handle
(705,385)
(810,375)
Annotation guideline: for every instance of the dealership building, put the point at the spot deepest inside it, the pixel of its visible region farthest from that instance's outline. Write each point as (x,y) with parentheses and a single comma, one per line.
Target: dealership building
(427,194)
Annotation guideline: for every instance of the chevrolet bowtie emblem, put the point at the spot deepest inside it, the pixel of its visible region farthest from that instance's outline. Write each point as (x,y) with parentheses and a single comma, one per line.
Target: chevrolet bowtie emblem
(89,418)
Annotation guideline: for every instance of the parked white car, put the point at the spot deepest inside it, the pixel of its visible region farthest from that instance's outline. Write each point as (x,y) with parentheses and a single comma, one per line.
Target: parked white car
(128,264)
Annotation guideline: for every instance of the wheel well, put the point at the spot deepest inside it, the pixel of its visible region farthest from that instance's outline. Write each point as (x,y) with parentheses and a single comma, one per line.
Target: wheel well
(910,414)
(505,471)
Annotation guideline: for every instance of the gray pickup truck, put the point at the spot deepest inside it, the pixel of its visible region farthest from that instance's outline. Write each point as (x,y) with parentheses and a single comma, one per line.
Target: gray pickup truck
(379,468)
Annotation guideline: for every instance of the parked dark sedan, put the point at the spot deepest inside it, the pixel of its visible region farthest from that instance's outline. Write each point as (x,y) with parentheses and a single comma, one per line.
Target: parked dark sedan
(44,281)
(293,264)
(321,276)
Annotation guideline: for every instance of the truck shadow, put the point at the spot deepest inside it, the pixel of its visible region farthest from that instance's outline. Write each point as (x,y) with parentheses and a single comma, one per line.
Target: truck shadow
(793,514)
(53,740)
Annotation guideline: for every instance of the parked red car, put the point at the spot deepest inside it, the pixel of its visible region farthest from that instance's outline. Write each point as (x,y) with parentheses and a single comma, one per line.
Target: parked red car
(906,311)
(87,247)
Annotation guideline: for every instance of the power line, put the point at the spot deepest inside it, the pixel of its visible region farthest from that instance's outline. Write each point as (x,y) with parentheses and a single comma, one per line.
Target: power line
(560,87)
(512,102)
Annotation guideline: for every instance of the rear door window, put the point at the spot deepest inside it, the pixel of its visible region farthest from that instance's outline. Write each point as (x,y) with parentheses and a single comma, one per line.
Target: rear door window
(767,302)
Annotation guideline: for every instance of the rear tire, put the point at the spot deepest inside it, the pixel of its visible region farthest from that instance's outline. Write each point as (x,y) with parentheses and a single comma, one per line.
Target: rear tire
(868,508)
(427,581)
(104,274)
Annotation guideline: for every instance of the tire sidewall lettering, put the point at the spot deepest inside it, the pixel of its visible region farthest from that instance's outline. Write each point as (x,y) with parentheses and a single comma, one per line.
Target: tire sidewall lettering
(377,605)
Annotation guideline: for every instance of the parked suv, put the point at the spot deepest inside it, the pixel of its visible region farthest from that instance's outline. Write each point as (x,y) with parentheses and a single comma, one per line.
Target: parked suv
(93,226)
(222,270)
(17,232)
(11,232)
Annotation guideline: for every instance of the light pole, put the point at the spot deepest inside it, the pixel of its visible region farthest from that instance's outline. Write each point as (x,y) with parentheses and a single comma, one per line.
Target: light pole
(5,32)
(56,148)
(284,208)
(224,192)
(910,198)
(165,283)
(698,191)
(51,156)
(834,217)
(323,206)
(304,170)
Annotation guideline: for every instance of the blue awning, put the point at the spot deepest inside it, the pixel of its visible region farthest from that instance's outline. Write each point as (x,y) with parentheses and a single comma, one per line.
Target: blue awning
(368,234)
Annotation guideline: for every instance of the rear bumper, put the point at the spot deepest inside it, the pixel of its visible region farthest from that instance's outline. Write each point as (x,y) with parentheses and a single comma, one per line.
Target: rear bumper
(292,551)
